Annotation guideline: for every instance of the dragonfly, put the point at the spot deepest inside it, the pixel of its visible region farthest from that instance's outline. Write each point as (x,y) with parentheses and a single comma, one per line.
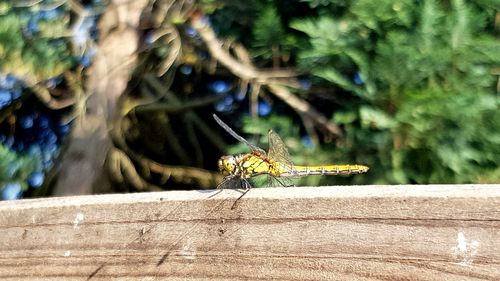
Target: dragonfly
(276,163)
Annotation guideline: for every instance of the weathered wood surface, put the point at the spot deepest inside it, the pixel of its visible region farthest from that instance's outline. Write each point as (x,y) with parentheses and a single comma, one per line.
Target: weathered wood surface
(447,232)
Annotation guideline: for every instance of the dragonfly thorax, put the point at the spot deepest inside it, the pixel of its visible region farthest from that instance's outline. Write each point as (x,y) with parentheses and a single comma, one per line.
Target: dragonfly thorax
(244,165)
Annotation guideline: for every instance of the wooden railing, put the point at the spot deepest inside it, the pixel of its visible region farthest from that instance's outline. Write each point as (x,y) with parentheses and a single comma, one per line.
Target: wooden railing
(435,232)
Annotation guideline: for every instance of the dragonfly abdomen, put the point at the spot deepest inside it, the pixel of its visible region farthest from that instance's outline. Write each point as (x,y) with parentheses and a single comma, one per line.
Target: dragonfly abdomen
(330,170)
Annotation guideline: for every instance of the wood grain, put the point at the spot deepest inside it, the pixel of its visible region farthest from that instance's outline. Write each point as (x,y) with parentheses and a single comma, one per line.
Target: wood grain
(436,232)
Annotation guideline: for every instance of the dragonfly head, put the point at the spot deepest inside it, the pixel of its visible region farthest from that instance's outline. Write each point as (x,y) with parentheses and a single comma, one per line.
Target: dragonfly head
(227,165)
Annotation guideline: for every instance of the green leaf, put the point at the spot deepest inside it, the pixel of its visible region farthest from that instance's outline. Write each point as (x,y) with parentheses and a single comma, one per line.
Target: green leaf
(372,117)
(268,32)
(345,117)
(335,77)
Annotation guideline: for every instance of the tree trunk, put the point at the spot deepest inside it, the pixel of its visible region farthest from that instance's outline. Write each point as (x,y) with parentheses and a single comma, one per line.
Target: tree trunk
(81,170)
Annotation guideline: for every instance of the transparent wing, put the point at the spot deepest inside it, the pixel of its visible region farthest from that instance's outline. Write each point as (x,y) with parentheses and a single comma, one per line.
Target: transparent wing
(281,181)
(278,152)
(252,147)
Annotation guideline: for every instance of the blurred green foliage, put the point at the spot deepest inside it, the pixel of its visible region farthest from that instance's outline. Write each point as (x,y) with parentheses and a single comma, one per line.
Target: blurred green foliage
(35,47)
(416,80)
(34,44)
(15,168)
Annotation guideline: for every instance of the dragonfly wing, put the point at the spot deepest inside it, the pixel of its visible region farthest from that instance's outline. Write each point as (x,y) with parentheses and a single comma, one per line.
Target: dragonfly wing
(281,181)
(278,152)
(228,129)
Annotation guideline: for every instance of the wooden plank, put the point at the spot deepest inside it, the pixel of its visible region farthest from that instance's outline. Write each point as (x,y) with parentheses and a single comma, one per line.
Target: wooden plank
(435,232)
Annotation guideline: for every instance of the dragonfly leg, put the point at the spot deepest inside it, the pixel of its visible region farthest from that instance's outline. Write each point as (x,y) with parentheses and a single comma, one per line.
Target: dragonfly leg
(221,185)
(245,185)
(226,183)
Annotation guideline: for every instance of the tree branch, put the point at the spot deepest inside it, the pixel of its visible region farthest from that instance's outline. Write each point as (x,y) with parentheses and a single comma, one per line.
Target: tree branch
(276,81)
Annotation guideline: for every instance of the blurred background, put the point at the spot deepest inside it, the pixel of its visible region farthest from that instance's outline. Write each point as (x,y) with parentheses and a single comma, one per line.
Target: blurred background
(117,96)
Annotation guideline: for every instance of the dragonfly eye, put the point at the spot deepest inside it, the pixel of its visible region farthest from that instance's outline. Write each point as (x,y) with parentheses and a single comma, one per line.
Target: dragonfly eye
(227,165)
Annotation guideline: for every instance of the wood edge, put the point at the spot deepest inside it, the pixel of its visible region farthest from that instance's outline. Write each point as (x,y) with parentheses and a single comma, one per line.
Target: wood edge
(358,191)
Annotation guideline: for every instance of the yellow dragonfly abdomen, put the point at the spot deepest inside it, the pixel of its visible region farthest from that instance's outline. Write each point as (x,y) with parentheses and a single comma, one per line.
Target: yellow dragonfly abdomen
(281,170)
(331,170)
